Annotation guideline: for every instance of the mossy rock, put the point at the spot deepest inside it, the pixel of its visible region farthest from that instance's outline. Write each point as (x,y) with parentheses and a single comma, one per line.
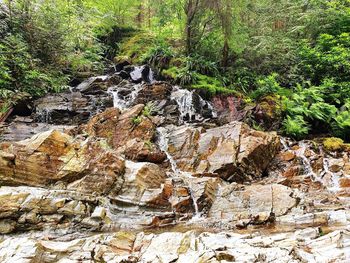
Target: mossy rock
(135,47)
(212,85)
(333,144)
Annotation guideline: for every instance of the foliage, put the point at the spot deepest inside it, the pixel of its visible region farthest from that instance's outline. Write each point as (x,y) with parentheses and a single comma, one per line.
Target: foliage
(295,127)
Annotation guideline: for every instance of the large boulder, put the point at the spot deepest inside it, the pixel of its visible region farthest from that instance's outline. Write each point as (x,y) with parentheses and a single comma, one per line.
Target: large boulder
(54,156)
(233,152)
(70,108)
(154,92)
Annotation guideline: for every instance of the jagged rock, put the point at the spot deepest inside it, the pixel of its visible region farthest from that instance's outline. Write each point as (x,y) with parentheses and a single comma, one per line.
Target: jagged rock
(228,108)
(154,92)
(142,185)
(70,108)
(130,127)
(254,204)
(183,248)
(52,156)
(103,125)
(234,151)
(22,128)
(204,192)
(143,151)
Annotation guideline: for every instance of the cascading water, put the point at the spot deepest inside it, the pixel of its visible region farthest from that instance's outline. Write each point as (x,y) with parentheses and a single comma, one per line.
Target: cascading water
(188,112)
(142,73)
(163,144)
(320,176)
(123,101)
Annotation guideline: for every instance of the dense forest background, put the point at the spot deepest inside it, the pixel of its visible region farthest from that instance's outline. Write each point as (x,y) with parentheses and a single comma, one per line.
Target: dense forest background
(290,57)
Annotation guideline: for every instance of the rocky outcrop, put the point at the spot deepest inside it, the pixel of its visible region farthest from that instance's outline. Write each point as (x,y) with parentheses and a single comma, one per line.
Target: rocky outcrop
(255,204)
(229,108)
(54,156)
(301,246)
(124,187)
(70,108)
(233,152)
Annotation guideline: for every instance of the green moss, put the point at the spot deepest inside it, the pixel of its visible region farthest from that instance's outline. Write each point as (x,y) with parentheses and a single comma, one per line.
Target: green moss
(171,73)
(333,144)
(135,47)
(212,85)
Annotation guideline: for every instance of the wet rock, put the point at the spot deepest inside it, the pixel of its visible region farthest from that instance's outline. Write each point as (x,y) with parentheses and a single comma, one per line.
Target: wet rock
(22,128)
(103,125)
(70,108)
(234,151)
(154,92)
(228,108)
(143,151)
(287,156)
(52,156)
(255,204)
(132,124)
(142,184)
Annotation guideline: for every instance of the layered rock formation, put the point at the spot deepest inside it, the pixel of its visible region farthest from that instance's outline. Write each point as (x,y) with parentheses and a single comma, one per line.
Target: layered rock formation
(134,184)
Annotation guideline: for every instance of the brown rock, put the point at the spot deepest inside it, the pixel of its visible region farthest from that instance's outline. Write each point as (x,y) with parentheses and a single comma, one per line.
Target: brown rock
(103,125)
(256,202)
(154,92)
(287,156)
(53,156)
(234,151)
(133,125)
(344,182)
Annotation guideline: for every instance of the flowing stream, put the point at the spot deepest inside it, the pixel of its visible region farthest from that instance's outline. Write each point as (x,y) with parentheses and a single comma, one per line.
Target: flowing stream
(323,175)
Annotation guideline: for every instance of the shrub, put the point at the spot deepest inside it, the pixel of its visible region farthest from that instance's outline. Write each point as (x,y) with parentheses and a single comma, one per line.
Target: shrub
(266,86)
(341,125)
(295,127)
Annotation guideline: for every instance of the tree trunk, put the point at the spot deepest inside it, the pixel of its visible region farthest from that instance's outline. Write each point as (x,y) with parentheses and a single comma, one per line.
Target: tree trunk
(225,54)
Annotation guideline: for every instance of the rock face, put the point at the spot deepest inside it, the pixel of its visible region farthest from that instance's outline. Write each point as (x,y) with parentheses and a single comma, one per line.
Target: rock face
(52,156)
(253,204)
(233,152)
(301,246)
(126,184)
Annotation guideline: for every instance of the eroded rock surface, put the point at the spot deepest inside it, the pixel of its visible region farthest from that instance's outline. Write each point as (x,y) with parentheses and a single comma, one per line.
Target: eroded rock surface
(233,152)
(125,186)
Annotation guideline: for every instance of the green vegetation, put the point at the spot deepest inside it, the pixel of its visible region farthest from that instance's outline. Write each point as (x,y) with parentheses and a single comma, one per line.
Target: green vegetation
(296,52)
(333,144)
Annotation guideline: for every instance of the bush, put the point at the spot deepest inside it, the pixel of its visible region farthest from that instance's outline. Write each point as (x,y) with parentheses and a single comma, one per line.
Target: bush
(341,125)
(295,127)
(266,86)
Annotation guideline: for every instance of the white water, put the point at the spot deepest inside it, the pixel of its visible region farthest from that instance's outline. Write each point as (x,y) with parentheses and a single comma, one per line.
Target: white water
(124,102)
(333,184)
(136,74)
(163,143)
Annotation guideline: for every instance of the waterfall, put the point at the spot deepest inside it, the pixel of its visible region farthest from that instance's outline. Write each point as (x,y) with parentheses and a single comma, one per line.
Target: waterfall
(121,101)
(142,73)
(186,106)
(184,100)
(332,186)
(44,115)
(163,144)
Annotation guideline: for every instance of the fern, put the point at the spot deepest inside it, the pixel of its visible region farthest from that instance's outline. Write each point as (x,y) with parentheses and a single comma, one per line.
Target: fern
(295,127)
